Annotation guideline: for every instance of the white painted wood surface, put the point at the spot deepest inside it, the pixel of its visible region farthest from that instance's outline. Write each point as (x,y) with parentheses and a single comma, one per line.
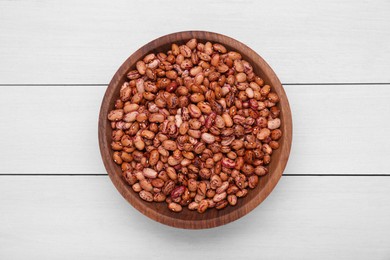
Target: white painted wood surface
(338,129)
(54,129)
(305,41)
(60,217)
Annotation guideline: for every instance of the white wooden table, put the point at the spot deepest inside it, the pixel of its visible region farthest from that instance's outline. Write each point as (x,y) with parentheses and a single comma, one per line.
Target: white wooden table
(56,59)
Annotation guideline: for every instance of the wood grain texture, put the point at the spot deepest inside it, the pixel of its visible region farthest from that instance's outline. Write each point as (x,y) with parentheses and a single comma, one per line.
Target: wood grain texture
(337,129)
(304,218)
(304,41)
(189,219)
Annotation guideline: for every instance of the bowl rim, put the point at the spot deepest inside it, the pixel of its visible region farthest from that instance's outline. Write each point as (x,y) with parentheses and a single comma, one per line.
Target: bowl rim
(123,188)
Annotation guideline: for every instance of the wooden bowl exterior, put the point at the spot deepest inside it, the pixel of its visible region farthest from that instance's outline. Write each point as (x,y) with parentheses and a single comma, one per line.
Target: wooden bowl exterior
(211,218)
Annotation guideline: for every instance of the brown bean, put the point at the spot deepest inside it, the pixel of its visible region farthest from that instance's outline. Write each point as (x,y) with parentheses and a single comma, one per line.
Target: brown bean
(147,134)
(208,138)
(266,159)
(196,70)
(184,127)
(134,74)
(274,144)
(201,188)
(276,134)
(204,107)
(241,77)
(130,117)
(146,195)
(146,185)
(119,104)
(192,44)
(219,122)
(171,74)
(219,196)
(171,172)
(141,117)
(115,115)
(204,56)
(228,120)
(139,175)
(232,189)
(192,185)
(217,157)
(228,163)
(149,173)
(194,111)
(130,108)
(195,124)
(204,173)
(141,67)
(175,49)
(273,97)
(234,55)
(219,48)
(253,181)
(238,66)
(273,124)
(215,60)
(175,207)
(211,203)
(169,145)
(194,133)
(154,157)
(136,187)
(116,146)
(177,192)
(157,182)
(139,143)
(168,187)
(197,97)
(148,58)
(215,181)
(126,157)
(203,205)
(116,156)
(193,205)
(199,78)
(210,193)
(221,204)
(232,199)
(265,90)
(242,193)
(185,51)
(159,197)
(237,144)
(223,187)
(125,92)
(222,68)
(263,134)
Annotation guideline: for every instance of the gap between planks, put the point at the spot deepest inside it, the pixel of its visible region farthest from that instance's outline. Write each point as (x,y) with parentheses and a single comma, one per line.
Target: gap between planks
(105,85)
(284,175)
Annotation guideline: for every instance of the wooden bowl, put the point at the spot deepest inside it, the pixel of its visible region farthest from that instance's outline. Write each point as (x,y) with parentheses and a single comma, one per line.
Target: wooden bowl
(211,218)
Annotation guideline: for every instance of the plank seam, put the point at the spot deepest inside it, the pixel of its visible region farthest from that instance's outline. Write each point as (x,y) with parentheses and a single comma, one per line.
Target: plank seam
(284,175)
(104,85)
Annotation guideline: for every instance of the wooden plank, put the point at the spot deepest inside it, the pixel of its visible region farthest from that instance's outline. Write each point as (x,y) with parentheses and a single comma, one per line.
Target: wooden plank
(340,129)
(304,41)
(337,129)
(85,217)
(50,129)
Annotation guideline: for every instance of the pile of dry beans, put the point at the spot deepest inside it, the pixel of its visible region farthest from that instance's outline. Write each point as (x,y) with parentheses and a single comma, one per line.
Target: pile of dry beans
(194,127)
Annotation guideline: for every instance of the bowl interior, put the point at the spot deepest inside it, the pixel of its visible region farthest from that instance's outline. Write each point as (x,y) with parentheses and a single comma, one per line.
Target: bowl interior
(212,217)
